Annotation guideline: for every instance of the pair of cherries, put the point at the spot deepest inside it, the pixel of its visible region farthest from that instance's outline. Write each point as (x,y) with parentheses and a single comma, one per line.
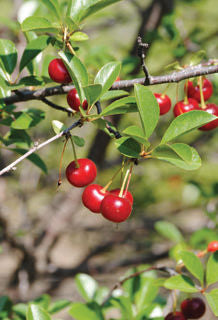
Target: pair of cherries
(111,205)
(190,309)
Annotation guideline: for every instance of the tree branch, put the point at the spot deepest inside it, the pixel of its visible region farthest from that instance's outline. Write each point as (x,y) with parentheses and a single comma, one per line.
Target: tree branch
(55,106)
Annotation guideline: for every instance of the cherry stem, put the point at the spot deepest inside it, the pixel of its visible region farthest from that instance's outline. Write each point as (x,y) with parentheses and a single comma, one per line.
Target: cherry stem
(124,182)
(74,153)
(121,175)
(201,253)
(174,301)
(128,181)
(112,179)
(203,105)
(70,48)
(60,165)
(165,90)
(186,92)
(177,92)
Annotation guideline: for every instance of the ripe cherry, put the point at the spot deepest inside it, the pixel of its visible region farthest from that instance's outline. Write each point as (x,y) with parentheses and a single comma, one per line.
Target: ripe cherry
(127,195)
(212,246)
(83,175)
(194,91)
(175,316)
(164,102)
(193,308)
(74,100)
(93,196)
(212,109)
(182,107)
(58,72)
(115,208)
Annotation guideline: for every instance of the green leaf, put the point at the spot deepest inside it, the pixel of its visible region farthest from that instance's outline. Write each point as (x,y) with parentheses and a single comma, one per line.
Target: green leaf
(180,282)
(120,106)
(8,55)
(128,147)
(88,311)
(113,94)
(58,126)
(148,109)
(102,125)
(32,49)
(70,23)
(212,269)
(137,134)
(185,123)
(5,304)
(40,24)
(20,309)
(35,312)
(193,265)
(107,75)
(147,293)
(212,298)
(124,305)
(22,122)
(100,294)
(80,142)
(92,93)
(58,306)
(54,7)
(86,285)
(79,36)
(197,57)
(43,301)
(34,158)
(31,81)
(169,231)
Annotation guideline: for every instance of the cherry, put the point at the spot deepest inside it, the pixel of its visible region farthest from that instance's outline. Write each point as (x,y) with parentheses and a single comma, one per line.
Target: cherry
(194,91)
(74,100)
(127,195)
(164,102)
(193,308)
(58,72)
(82,176)
(182,107)
(213,109)
(175,316)
(93,196)
(212,246)
(115,208)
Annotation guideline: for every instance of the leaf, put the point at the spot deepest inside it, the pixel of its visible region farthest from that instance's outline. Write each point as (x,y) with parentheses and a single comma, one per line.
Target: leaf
(120,106)
(212,269)
(148,109)
(128,147)
(147,293)
(212,298)
(79,36)
(35,312)
(22,122)
(34,158)
(193,265)
(180,282)
(124,305)
(113,94)
(197,57)
(58,126)
(86,285)
(8,55)
(100,294)
(169,231)
(107,75)
(20,309)
(92,93)
(58,306)
(80,142)
(53,7)
(88,311)
(43,301)
(32,49)
(185,123)
(30,81)
(137,134)
(5,304)
(38,24)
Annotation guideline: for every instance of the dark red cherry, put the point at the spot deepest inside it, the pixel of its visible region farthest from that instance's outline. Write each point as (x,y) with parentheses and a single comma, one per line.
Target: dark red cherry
(127,195)
(74,100)
(115,208)
(182,107)
(193,308)
(93,196)
(58,72)
(194,91)
(212,109)
(83,175)
(175,316)
(164,102)
(212,246)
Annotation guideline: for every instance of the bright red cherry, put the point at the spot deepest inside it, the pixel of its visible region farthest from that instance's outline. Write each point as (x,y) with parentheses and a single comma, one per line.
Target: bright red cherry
(58,72)
(182,107)
(213,109)
(127,195)
(115,208)
(74,100)
(93,196)
(175,316)
(212,246)
(164,102)
(82,176)
(194,91)
(193,308)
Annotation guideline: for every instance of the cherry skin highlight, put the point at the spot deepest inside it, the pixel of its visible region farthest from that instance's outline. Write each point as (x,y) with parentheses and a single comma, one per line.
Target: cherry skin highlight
(194,91)
(212,246)
(82,176)
(127,195)
(212,109)
(175,316)
(193,308)
(182,107)
(58,72)
(92,197)
(74,100)
(115,209)
(164,102)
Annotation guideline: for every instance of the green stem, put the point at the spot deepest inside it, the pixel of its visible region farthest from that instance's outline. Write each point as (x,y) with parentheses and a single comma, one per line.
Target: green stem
(129,178)
(186,92)
(74,152)
(112,179)
(124,182)
(177,92)
(203,105)
(165,90)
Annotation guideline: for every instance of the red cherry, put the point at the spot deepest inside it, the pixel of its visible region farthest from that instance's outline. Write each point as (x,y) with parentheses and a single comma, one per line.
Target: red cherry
(115,209)
(182,107)
(175,316)
(74,100)
(82,176)
(212,246)
(194,92)
(93,196)
(212,109)
(58,72)
(193,308)
(127,195)
(164,102)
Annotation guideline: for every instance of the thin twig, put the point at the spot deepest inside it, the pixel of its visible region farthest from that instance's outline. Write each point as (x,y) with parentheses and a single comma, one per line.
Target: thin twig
(142,47)
(55,106)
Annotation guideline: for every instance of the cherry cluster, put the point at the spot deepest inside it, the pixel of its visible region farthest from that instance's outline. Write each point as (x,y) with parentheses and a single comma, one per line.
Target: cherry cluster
(190,309)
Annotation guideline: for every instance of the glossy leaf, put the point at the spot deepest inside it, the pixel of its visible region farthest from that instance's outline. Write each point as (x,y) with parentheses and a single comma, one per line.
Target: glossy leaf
(31,81)
(113,94)
(88,311)
(58,126)
(107,75)
(40,24)
(137,134)
(212,269)
(79,36)
(22,122)
(34,158)
(146,294)
(120,106)
(185,123)
(169,231)
(212,299)
(20,310)
(58,306)
(86,285)
(148,109)
(128,147)
(193,265)
(8,55)
(92,93)
(124,305)
(180,282)
(53,7)
(80,142)
(36,312)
